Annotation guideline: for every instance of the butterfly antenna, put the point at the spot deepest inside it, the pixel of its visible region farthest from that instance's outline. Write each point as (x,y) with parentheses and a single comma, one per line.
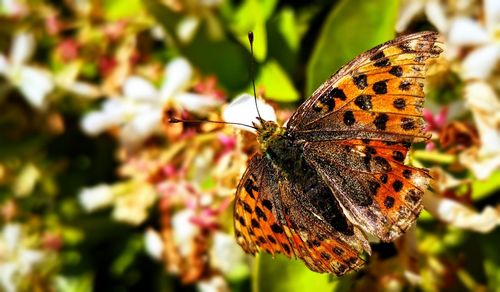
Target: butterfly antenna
(250,40)
(174,120)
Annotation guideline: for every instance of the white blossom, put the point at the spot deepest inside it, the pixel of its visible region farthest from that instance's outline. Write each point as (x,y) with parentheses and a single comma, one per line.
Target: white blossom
(17,260)
(461,216)
(243,110)
(153,244)
(433,9)
(96,197)
(138,113)
(484,37)
(226,255)
(184,231)
(34,83)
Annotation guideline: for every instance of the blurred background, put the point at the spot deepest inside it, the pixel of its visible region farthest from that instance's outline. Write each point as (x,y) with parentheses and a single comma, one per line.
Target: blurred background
(99,193)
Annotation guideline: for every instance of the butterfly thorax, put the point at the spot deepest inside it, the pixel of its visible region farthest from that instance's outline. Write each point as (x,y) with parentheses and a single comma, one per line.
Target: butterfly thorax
(277,144)
(268,133)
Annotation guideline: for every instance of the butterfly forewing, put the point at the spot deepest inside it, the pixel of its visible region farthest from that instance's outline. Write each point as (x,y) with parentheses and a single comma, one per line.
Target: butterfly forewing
(377,96)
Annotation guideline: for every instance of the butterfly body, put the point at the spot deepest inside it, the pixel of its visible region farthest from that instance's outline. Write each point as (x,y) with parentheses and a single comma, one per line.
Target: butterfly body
(336,171)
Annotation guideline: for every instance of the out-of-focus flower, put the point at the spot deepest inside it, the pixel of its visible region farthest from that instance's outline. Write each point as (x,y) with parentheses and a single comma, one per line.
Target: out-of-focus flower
(184,231)
(153,244)
(133,201)
(138,113)
(433,9)
(96,197)
(461,216)
(13,8)
(195,13)
(26,180)
(213,284)
(485,106)
(242,110)
(484,37)
(67,79)
(17,260)
(34,83)
(226,255)
(68,49)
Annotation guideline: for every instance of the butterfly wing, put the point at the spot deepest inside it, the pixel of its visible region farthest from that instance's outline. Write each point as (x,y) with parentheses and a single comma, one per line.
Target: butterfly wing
(358,126)
(378,192)
(269,216)
(379,95)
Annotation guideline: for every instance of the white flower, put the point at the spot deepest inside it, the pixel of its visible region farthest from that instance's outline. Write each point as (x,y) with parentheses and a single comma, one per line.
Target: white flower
(138,113)
(133,203)
(67,79)
(433,9)
(16,260)
(226,255)
(34,83)
(184,231)
(14,8)
(465,32)
(460,216)
(213,284)
(243,110)
(95,198)
(153,244)
(485,106)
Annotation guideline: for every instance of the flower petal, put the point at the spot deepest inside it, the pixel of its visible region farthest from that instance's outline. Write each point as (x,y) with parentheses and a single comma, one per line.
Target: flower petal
(437,15)
(136,87)
(480,63)
(22,48)
(485,106)
(408,11)
(184,231)
(11,236)
(492,17)
(95,123)
(140,127)
(154,244)
(4,65)
(461,216)
(35,84)
(178,74)
(467,32)
(242,110)
(187,27)
(196,103)
(97,197)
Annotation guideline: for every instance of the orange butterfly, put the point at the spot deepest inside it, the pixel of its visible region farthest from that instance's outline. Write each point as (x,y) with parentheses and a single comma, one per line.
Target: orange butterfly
(336,171)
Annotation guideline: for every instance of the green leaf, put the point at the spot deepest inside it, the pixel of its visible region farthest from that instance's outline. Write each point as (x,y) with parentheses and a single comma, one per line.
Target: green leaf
(81,283)
(492,259)
(482,189)
(127,257)
(252,15)
(278,86)
(284,40)
(116,10)
(351,28)
(282,274)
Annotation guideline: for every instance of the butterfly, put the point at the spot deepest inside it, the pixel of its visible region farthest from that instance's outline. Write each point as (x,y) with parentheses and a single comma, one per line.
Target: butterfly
(336,171)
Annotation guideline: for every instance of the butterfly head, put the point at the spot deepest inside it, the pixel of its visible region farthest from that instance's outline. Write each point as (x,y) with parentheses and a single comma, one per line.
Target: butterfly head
(268,132)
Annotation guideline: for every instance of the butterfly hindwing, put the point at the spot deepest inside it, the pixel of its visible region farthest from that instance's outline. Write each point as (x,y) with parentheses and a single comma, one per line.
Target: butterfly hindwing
(270,216)
(369,179)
